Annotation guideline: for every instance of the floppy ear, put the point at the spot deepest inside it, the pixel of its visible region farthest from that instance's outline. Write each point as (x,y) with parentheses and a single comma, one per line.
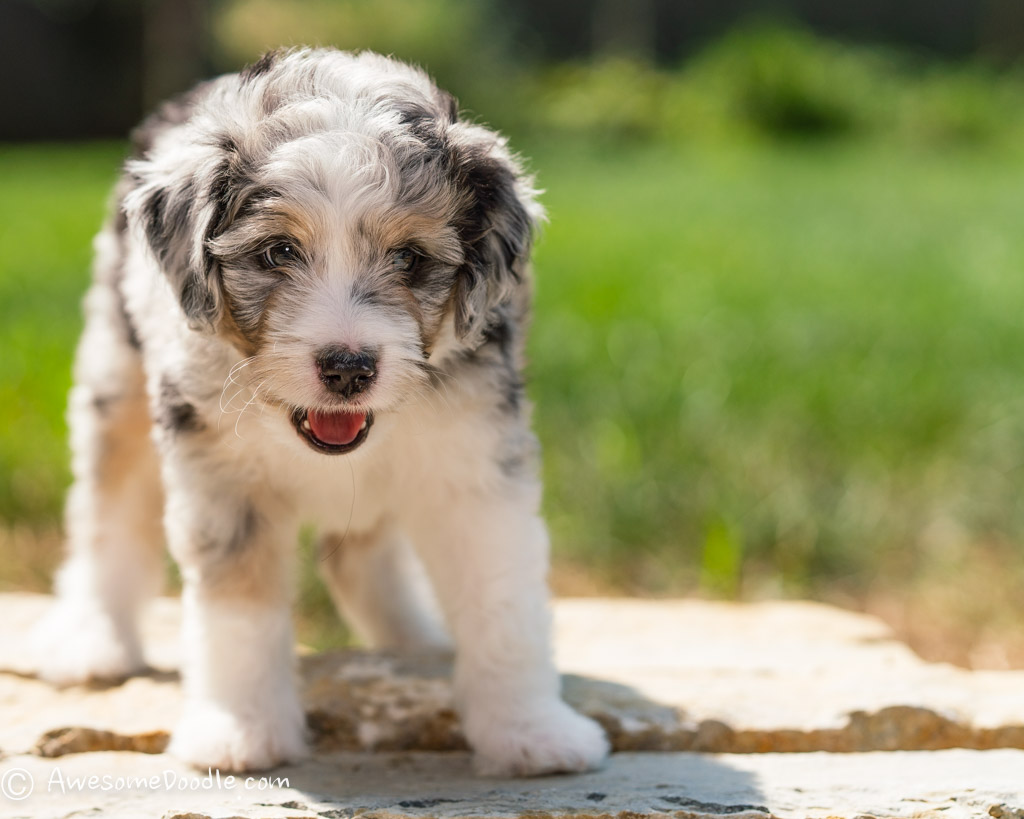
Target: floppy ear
(496,225)
(181,200)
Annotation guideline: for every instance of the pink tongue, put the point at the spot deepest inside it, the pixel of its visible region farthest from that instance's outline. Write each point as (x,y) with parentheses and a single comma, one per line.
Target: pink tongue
(337,428)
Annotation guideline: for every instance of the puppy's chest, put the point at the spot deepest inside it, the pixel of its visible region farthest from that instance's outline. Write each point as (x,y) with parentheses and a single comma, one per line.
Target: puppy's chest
(355,501)
(345,492)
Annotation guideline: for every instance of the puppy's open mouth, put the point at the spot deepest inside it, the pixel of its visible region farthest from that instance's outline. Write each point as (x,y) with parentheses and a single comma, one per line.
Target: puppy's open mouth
(332,433)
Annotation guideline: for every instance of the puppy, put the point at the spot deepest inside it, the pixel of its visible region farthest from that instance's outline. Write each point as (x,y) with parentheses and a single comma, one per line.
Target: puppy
(308,307)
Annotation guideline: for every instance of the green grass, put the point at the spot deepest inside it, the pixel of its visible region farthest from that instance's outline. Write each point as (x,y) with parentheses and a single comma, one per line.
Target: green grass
(776,368)
(770,368)
(52,200)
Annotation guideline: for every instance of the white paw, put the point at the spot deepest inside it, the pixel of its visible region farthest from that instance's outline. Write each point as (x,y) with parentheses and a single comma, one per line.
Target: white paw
(76,643)
(209,736)
(549,737)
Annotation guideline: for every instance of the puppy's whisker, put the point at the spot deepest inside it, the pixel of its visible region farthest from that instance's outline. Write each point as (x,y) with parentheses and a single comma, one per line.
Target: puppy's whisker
(229,405)
(430,396)
(232,380)
(248,404)
(435,382)
(239,366)
(433,373)
(351,512)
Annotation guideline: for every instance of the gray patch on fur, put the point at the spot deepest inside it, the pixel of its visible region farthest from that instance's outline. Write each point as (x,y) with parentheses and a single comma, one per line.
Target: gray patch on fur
(246,522)
(174,413)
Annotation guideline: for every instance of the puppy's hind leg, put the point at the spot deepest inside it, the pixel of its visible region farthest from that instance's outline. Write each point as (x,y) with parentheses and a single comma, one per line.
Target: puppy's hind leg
(379,587)
(113,513)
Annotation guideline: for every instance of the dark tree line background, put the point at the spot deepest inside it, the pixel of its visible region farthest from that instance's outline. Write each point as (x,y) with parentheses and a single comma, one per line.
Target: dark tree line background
(90,68)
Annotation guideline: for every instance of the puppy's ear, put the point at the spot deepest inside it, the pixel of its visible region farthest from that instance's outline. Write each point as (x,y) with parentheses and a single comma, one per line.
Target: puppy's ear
(179,201)
(496,225)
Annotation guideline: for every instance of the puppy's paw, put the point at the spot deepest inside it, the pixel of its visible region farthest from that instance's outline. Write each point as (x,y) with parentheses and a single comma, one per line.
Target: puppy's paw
(76,643)
(547,738)
(208,736)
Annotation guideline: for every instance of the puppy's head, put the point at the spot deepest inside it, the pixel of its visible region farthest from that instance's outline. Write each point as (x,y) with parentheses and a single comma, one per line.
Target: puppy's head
(330,216)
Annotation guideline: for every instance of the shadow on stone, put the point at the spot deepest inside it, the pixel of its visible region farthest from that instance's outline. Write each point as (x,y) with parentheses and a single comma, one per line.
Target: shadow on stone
(435,784)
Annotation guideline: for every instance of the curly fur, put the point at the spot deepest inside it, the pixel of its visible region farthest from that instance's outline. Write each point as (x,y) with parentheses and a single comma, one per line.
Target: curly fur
(200,359)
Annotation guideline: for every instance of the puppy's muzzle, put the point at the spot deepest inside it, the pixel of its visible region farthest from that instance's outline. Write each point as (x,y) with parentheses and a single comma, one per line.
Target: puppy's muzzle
(345,372)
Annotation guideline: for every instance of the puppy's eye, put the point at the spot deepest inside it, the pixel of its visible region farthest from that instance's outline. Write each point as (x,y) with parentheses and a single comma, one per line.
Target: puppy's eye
(281,254)
(405,260)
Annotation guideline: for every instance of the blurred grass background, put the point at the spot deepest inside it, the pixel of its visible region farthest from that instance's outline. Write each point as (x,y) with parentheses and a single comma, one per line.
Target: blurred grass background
(778,344)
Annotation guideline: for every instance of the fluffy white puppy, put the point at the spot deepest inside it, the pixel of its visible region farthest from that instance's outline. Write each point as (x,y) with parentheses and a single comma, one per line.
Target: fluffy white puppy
(309,306)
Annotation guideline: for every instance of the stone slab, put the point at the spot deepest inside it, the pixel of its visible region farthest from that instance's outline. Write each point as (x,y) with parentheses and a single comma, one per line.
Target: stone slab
(953,784)
(659,675)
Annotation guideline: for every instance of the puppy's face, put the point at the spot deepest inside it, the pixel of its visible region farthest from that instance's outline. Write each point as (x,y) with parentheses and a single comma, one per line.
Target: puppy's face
(332,219)
(338,281)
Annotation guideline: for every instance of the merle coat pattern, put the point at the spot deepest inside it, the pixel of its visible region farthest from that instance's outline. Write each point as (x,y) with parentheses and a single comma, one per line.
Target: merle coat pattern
(308,306)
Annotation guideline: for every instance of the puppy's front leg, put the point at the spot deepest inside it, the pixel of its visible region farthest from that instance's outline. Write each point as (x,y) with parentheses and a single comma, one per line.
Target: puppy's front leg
(241,709)
(486,550)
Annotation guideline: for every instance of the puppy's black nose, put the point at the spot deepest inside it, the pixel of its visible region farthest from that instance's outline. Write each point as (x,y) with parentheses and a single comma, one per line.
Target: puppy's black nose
(345,372)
